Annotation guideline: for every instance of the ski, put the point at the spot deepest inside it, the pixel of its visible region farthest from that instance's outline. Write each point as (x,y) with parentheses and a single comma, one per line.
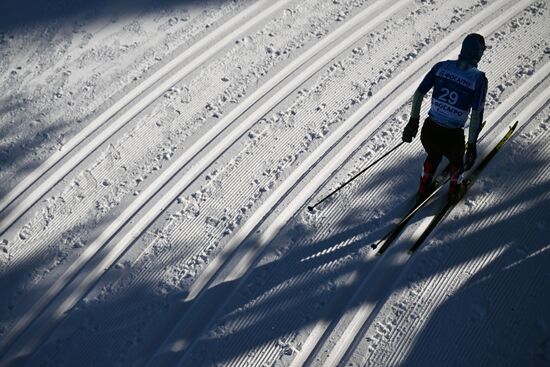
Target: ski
(466,184)
(385,242)
(439,181)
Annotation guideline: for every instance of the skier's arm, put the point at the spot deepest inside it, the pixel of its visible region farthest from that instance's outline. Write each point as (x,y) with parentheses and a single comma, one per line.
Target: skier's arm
(411,129)
(477,110)
(427,83)
(417,104)
(475,122)
(475,126)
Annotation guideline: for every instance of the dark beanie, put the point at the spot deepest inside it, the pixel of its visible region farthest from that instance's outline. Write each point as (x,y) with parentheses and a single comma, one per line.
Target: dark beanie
(473,47)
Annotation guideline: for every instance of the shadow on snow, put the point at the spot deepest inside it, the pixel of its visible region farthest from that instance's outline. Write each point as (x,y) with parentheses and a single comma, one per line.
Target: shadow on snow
(21,14)
(287,295)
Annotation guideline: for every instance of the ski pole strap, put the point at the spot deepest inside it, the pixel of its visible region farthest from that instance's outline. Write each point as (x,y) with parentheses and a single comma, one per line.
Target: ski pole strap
(310,208)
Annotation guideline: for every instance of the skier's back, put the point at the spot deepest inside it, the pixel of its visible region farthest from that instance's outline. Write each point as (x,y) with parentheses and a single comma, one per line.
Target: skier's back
(458,87)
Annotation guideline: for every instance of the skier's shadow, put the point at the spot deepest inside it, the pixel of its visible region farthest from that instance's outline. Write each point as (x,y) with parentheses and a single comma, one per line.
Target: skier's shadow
(293,292)
(282,297)
(18,14)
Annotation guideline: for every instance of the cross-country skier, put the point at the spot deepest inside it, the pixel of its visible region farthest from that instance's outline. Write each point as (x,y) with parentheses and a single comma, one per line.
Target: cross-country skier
(458,87)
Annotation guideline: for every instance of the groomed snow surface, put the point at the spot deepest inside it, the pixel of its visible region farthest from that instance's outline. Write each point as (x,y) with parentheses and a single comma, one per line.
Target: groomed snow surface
(157,159)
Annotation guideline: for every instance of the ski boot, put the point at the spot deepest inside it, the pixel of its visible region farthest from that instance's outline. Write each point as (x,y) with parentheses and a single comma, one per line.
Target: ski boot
(456,188)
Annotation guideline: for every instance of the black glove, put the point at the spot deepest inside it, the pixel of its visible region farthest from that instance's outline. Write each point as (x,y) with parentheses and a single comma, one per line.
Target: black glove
(471,155)
(410,130)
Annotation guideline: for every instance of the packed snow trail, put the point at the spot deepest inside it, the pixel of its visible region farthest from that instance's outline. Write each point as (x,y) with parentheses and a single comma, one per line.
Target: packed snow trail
(182,231)
(90,249)
(153,92)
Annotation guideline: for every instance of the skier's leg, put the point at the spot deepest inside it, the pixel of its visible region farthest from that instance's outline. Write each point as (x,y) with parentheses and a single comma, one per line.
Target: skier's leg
(456,178)
(455,154)
(430,138)
(428,171)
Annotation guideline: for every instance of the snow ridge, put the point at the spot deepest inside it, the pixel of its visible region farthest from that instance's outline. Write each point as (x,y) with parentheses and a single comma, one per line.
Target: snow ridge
(153,92)
(180,66)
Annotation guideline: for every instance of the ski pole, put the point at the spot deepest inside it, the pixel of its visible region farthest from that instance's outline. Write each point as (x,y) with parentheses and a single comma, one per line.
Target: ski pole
(310,208)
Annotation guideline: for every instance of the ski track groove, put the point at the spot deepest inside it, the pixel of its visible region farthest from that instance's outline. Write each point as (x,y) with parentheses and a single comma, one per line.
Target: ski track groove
(26,250)
(233,276)
(79,155)
(92,246)
(113,127)
(502,106)
(424,307)
(501,216)
(525,116)
(275,346)
(272,348)
(454,274)
(418,305)
(268,349)
(185,233)
(473,265)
